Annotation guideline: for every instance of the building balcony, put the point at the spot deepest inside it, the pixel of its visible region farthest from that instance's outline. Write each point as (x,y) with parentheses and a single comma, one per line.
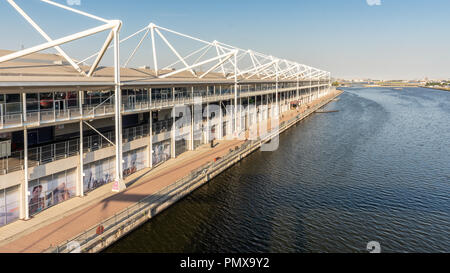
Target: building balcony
(64,111)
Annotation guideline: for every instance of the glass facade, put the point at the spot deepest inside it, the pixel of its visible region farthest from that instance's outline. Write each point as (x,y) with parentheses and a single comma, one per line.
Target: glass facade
(181,145)
(51,190)
(98,174)
(48,106)
(9,205)
(134,161)
(161,152)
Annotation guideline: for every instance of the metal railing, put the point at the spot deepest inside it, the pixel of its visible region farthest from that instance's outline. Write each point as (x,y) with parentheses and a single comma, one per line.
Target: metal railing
(135,211)
(97,142)
(49,153)
(12,163)
(161,127)
(11,114)
(53,152)
(135,133)
(144,207)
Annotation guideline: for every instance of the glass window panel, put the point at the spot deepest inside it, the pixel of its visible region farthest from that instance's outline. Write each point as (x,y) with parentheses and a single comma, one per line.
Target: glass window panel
(2,208)
(12,209)
(36,199)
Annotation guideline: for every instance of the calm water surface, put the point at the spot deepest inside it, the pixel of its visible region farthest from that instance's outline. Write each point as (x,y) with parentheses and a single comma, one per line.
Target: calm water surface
(377,170)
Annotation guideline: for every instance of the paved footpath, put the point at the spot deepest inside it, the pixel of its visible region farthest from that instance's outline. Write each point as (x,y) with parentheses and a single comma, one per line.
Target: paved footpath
(75,223)
(67,220)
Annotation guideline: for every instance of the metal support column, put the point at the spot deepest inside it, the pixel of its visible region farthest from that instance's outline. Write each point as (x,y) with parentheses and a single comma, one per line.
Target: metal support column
(264,111)
(150,153)
(208,128)
(24,107)
(25,184)
(235,94)
(220,129)
(173,153)
(2,118)
(191,135)
(230,120)
(193,119)
(310,86)
(26,192)
(276,92)
(80,189)
(248,114)
(240,114)
(79,186)
(255,118)
(54,106)
(329,82)
(118,114)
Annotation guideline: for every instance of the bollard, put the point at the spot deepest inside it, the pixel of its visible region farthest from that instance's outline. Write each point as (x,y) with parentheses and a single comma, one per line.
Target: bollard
(100,230)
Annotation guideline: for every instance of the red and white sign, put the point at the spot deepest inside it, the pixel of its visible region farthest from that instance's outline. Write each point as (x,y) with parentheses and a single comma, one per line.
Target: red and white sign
(115,186)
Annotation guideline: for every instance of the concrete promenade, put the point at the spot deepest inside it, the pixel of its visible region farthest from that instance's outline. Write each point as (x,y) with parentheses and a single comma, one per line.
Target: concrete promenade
(66,220)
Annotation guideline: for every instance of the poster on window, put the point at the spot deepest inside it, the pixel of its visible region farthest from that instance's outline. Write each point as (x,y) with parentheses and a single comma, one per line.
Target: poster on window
(98,174)
(51,190)
(133,161)
(2,208)
(9,205)
(161,152)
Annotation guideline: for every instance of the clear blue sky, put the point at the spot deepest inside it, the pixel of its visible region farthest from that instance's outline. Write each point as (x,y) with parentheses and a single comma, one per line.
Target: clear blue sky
(399,39)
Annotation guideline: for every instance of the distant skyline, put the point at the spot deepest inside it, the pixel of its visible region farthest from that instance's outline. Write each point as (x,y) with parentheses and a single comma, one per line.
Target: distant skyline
(378,39)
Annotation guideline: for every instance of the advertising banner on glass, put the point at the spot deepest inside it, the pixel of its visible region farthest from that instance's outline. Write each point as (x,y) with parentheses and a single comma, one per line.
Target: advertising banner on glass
(134,161)
(9,205)
(161,152)
(51,190)
(98,174)
(2,208)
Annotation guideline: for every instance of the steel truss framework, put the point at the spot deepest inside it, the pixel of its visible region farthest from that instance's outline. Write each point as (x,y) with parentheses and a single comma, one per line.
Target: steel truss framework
(231,62)
(113,26)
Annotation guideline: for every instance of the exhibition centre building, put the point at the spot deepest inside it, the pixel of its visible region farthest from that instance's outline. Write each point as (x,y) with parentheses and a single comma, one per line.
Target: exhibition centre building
(68,127)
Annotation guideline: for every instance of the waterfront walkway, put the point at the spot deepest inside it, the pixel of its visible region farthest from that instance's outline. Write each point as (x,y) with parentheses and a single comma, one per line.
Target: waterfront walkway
(66,220)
